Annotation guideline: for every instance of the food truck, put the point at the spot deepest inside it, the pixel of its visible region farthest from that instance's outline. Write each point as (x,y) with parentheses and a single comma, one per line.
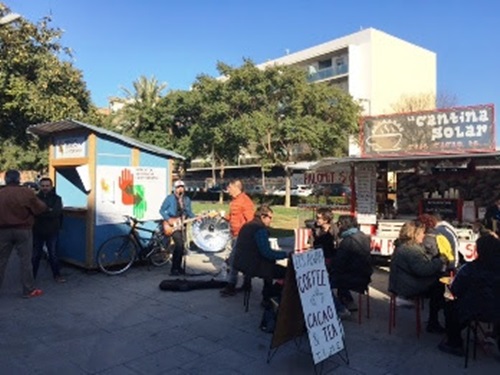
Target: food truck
(102,176)
(439,162)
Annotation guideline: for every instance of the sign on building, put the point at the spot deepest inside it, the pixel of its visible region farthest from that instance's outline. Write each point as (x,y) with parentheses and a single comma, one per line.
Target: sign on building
(450,130)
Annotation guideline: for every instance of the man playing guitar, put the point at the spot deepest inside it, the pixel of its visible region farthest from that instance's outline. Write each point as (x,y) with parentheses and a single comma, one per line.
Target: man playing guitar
(175,209)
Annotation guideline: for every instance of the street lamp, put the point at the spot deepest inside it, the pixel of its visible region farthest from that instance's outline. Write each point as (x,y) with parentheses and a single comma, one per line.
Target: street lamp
(11,17)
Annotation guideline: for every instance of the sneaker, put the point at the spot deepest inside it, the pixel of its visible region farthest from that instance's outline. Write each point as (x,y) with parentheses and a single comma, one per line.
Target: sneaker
(60,279)
(403,302)
(435,328)
(343,314)
(175,272)
(351,306)
(455,350)
(228,291)
(33,293)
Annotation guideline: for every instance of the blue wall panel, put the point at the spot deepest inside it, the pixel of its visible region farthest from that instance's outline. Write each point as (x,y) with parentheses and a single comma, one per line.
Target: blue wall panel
(70,188)
(72,243)
(111,153)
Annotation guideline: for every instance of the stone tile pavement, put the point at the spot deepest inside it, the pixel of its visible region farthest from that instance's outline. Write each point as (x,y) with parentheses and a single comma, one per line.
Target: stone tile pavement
(98,324)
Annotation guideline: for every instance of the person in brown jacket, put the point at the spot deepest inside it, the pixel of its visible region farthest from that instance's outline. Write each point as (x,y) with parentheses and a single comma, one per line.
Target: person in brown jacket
(241,211)
(19,207)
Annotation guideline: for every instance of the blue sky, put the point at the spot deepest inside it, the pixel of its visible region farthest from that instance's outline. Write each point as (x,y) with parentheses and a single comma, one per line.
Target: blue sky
(116,41)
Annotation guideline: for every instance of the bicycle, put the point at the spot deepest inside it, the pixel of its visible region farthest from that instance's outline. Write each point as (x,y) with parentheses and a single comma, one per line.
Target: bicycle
(117,254)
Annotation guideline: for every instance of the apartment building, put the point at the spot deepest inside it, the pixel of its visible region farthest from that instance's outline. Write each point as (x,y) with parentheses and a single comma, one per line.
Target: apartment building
(376,68)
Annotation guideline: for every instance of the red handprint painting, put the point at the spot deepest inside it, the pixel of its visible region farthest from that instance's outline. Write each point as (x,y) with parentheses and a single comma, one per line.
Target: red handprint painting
(126,184)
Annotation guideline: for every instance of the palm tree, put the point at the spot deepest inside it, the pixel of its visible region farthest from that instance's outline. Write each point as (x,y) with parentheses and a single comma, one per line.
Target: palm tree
(140,103)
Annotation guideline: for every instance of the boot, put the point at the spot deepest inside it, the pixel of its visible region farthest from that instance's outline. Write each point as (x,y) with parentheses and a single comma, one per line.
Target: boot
(228,291)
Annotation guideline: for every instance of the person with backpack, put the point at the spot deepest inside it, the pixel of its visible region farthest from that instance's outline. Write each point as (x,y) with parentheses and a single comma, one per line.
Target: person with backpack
(436,245)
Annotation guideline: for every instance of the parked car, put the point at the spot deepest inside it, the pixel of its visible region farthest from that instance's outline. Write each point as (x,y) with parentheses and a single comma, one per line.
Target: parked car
(257,189)
(32,185)
(301,190)
(298,190)
(332,190)
(280,192)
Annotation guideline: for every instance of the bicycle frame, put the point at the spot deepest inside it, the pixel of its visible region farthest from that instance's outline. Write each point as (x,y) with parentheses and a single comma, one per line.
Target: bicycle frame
(142,242)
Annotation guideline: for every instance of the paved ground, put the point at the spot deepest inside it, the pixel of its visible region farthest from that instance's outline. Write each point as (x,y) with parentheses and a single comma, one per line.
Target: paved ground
(97,324)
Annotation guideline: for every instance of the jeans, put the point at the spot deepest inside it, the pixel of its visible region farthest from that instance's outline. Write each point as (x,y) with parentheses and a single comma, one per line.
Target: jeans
(232,277)
(50,241)
(22,240)
(178,252)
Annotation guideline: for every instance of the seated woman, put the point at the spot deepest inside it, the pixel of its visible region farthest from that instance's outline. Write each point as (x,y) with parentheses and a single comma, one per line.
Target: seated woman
(351,267)
(476,289)
(414,273)
(325,233)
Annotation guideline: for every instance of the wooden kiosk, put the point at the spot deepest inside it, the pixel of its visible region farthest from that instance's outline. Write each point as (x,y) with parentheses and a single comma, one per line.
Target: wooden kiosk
(101,176)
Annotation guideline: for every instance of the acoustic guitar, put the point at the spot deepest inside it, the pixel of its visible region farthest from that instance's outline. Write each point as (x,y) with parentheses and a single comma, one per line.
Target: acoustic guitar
(169,229)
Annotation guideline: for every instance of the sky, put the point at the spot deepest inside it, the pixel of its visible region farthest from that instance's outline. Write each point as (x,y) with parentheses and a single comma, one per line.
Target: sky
(117,41)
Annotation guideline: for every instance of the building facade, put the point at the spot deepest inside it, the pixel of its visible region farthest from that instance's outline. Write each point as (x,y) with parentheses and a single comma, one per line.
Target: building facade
(376,68)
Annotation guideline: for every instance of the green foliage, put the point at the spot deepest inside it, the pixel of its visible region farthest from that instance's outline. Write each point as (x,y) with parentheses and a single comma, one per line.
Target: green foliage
(38,84)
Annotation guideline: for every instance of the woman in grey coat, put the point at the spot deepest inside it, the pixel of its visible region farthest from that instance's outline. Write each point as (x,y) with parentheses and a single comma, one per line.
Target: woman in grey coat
(414,273)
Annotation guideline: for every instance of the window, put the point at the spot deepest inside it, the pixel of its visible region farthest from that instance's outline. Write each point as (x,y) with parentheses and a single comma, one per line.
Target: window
(324,64)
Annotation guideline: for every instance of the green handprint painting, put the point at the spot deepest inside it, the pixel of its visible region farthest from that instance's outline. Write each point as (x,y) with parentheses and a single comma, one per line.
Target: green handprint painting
(140,203)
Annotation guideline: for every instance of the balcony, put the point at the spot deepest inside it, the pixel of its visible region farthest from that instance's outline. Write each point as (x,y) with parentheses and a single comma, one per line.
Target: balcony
(331,72)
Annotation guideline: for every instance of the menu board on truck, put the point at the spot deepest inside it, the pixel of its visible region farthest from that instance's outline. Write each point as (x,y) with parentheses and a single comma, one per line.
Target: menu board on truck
(366,197)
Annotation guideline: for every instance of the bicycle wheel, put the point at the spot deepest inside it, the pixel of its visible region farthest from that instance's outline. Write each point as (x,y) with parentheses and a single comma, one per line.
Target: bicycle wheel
(161,251)
(116,255)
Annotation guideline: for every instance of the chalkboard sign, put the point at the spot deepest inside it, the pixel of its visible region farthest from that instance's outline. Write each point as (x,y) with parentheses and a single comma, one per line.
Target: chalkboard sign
(450,209)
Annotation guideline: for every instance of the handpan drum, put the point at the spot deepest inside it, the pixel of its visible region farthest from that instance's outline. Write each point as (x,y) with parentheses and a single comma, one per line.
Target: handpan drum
(211,234)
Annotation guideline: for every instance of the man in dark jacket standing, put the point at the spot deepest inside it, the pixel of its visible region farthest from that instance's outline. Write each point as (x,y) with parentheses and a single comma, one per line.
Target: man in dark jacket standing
(19,204)
(46,229)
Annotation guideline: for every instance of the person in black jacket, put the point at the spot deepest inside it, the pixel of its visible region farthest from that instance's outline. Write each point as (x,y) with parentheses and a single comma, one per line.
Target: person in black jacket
(351,267)
(46,229)
(476,291)
(253,255)
(492,216)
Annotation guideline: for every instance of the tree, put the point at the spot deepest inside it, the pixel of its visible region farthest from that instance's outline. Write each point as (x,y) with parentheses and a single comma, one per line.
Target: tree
(215,129)
(289,119)
(424,102)
(140,111)
(38,83)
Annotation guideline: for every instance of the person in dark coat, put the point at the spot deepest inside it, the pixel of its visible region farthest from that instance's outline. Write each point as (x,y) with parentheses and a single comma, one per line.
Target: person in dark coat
(414,273)
(19,205)
(46,229)
(476,289)
(253,255)
(492,216)
(351,267)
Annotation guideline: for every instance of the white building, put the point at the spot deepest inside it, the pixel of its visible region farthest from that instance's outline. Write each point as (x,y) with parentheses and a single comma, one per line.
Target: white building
(374,67)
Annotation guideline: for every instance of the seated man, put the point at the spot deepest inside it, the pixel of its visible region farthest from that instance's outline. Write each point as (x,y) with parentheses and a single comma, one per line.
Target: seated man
(351,267)
(476,289)
(253,255)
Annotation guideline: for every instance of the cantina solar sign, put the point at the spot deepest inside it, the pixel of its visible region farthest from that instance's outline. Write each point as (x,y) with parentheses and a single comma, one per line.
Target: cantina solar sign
(453,130)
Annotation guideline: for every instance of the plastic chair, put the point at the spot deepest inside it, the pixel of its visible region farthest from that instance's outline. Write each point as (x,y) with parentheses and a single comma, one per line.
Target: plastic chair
(366,293)
(247,291)
(475,326)
(418,301)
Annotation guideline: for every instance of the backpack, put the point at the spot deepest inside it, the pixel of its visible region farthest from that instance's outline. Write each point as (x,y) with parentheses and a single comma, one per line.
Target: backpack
(445,248)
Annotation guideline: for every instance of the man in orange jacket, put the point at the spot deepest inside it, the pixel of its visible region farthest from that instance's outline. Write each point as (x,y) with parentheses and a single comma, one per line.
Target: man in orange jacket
(241,211)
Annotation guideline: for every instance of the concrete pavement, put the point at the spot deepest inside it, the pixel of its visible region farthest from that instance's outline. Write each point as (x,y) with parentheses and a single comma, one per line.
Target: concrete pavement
(98,324)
